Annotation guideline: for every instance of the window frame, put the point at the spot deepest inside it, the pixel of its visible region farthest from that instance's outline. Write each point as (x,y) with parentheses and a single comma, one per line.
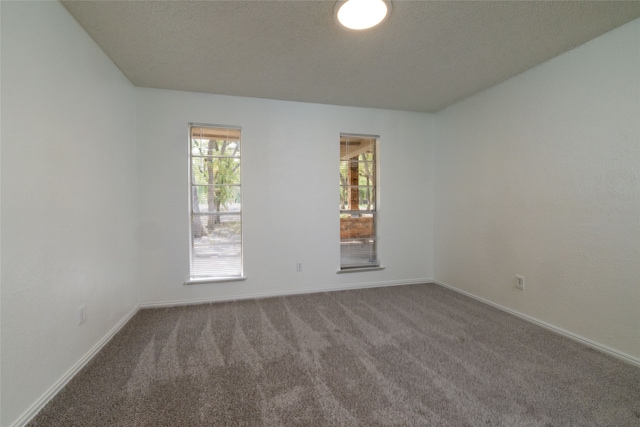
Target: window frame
(374,210)
(212,279)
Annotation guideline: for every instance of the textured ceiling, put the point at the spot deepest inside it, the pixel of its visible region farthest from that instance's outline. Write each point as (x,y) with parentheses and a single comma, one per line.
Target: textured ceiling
(426,56)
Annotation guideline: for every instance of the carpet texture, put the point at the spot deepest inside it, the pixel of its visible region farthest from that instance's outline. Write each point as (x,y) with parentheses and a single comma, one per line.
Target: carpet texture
(418,355)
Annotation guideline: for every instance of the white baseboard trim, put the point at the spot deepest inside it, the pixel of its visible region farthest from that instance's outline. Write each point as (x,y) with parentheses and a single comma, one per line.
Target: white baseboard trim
(33,410)
(208,300)
(586,341)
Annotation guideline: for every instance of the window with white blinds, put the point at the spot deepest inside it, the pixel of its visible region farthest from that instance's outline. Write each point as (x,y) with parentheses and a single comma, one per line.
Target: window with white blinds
(215,202)
(358,201)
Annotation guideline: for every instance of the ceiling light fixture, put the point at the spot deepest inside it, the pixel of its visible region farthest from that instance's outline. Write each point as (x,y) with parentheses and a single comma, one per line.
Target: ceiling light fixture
(361,14)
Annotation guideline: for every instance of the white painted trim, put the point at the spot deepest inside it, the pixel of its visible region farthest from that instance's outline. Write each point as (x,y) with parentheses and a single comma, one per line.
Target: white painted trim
(586,341)
(360,269)
(217,280)
(175,303)
(33,410)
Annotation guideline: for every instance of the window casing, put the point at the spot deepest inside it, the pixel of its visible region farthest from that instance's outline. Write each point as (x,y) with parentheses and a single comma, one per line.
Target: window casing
(358,201)
(215,202)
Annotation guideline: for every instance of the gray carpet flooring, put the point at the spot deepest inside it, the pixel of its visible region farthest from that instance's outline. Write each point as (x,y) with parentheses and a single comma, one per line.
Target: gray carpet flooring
(418,355)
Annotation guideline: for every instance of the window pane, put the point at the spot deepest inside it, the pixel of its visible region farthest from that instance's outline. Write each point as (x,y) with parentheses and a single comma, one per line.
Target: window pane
(352,146)
(209,132)
(358,253)
(216,245)
(217,198)
(214,147)
(365,200)
(357,227)
(215,170)
(365,171)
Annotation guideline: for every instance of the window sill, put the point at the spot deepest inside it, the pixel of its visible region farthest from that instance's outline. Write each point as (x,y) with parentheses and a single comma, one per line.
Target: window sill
(359,270)
(215,280)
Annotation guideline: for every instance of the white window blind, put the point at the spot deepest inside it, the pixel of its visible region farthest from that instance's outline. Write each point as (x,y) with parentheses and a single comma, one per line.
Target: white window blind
(358,201)
(215,202)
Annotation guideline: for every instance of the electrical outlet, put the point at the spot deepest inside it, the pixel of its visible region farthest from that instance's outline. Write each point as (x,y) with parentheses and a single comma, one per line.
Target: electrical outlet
(82,314)
(520,282)
(298,267)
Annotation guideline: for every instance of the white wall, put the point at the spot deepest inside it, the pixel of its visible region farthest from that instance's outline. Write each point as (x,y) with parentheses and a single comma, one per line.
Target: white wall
(290,193)
(69,207)
(539,176)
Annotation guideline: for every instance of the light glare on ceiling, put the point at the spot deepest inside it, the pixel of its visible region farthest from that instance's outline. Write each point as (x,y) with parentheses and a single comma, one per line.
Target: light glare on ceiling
(362,14)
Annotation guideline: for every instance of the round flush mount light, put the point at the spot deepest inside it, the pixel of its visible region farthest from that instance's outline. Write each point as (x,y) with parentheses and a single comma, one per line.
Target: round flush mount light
(361,14)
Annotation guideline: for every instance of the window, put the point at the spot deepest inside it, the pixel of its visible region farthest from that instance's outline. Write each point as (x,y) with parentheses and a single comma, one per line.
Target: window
(215,203)
(358,202)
